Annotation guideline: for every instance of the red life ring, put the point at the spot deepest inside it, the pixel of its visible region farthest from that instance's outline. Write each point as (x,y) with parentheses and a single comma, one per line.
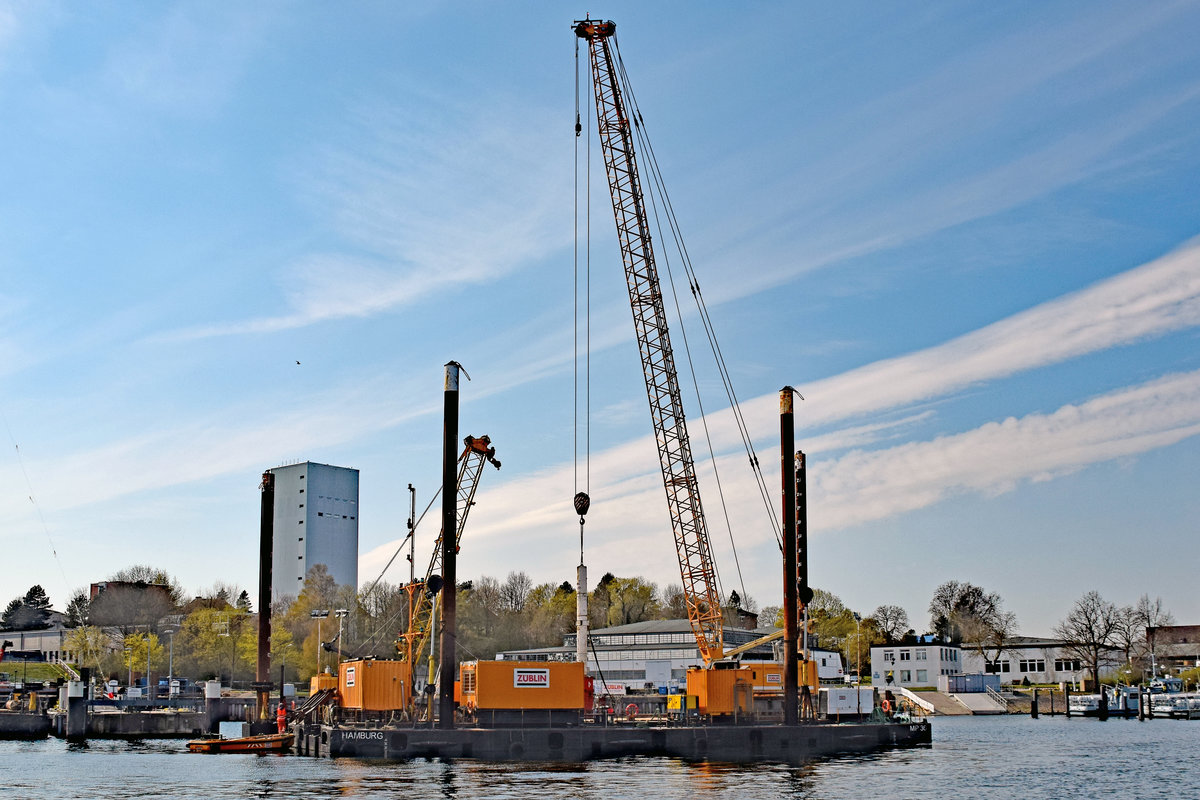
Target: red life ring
(886,706)
(631,710)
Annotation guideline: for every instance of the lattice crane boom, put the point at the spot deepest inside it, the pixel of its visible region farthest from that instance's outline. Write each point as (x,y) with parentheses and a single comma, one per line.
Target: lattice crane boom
(654,344)
(477,452)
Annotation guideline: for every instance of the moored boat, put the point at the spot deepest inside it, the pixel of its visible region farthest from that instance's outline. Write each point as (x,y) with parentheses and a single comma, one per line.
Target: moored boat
(264,743)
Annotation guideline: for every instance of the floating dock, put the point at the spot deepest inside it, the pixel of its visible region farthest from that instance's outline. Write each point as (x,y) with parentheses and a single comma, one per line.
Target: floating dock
(728,743)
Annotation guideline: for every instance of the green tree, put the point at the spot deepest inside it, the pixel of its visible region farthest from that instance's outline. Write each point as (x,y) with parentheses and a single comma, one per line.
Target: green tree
(30,612)
(631,600)
(76,614)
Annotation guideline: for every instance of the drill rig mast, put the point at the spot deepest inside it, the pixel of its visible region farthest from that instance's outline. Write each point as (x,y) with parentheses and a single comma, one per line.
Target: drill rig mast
(421,593)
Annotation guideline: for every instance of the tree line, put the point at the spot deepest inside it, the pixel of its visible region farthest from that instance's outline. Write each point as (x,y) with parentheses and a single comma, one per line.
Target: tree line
(144,616)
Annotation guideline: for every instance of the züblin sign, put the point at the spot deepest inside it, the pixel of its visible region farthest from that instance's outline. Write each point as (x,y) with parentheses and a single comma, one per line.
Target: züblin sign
(531,678)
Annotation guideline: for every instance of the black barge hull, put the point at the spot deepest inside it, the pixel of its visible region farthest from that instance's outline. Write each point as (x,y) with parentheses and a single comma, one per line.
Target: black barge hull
(737,744)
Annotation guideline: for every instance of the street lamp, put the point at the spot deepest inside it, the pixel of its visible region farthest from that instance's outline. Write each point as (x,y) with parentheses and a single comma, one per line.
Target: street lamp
(319,614)
(341,614)
(858,646)
(171,631)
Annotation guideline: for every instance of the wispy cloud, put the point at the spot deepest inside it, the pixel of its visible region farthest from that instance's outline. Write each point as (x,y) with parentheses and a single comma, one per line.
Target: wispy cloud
(1152,300)
(426,195)
(862,486)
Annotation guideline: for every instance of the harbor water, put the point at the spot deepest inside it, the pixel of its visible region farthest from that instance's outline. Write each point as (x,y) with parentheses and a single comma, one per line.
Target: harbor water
(1052,757)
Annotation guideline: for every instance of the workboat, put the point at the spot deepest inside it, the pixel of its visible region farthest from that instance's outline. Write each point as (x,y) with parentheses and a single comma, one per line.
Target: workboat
(264,743)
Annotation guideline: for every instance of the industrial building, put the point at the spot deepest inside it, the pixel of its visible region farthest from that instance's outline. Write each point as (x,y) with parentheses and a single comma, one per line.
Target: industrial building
(657,652)
(316,522)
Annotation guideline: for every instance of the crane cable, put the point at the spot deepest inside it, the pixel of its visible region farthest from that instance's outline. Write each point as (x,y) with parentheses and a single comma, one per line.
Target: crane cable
(659,186)
(36,507)
(587,378)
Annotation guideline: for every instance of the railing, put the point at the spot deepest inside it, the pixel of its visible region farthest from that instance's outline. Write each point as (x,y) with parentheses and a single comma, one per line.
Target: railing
(915,699)
(65,668)
(999,698)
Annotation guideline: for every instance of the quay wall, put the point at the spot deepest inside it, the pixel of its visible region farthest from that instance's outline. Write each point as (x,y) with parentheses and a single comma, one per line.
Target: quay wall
(19,725)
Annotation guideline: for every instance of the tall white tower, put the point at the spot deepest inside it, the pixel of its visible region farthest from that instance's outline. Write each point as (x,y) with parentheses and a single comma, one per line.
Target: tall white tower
(316,522)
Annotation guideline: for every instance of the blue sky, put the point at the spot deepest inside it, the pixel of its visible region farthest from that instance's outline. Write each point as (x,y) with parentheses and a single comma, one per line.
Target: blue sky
(966,234)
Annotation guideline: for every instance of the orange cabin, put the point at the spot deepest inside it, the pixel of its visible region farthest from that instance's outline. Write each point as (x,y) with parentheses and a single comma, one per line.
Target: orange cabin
(374,685)
(512,685)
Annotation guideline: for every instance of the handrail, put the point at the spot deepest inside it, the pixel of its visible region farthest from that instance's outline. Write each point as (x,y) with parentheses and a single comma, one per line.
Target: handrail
(999,698)
(65,667)
(916,699)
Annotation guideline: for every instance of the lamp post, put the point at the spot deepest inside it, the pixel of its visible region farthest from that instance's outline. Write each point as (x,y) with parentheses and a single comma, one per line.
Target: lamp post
(171,631)
(319,614)
(129,658)
(341,614)
(858,646)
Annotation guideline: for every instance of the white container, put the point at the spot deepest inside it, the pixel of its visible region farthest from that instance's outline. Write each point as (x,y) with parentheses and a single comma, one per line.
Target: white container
(212,690)
(836,701)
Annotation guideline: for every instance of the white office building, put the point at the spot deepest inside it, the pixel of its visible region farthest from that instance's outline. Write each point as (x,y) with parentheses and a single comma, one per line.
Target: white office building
(316,522)
(913,665)
(1030,658)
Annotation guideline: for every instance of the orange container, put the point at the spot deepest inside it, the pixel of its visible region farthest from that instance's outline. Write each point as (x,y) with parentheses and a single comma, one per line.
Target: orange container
(374,685)
(522,685)
(722,691)
(768,676)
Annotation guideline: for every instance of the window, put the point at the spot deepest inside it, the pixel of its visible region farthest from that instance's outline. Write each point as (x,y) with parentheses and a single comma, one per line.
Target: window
(889,655)
(906,655)
(997,666)
(905,676)
(921,655)
(922,676)
(1033,665)
(1067,664)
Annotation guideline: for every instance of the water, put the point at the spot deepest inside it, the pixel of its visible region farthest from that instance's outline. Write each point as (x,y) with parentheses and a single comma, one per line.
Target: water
(970,757)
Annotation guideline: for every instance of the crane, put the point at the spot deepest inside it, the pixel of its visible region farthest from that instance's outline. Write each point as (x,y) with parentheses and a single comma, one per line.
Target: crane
(477,452)
(654,344)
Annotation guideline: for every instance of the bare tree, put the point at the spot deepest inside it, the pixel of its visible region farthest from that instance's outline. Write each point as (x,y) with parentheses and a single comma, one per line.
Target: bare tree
(514,592)
(1150,616)
(891,621)
(1089,632)
(1129,635)
(674,603)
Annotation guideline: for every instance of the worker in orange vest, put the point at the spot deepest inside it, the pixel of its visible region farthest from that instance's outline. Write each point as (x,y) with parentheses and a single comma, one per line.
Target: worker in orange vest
(281,718)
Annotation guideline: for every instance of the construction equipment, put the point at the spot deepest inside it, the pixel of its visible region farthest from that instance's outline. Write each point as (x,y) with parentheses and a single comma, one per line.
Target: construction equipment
(718,694)
(658,363)
(477,452)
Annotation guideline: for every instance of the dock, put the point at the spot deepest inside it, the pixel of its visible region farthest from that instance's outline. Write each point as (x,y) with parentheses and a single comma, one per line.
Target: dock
(728,743)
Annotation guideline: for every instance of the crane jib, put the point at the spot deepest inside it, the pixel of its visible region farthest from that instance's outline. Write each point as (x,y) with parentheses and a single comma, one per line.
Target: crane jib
(654,344)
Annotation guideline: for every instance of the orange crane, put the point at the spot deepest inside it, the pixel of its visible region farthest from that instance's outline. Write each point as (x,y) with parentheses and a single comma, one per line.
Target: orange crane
(658,363)
(477,452)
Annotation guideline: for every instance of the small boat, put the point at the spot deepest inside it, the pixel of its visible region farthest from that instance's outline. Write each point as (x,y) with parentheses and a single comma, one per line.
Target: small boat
(263,743)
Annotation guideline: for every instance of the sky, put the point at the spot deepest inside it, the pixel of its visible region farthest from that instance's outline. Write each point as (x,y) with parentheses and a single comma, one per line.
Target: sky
(968,235)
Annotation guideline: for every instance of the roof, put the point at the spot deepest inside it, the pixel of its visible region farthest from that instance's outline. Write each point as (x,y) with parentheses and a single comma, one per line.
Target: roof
(654,626)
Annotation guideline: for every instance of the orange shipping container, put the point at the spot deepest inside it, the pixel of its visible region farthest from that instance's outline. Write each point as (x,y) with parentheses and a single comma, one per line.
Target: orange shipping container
(373,685)
(721,691)
(522,685)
